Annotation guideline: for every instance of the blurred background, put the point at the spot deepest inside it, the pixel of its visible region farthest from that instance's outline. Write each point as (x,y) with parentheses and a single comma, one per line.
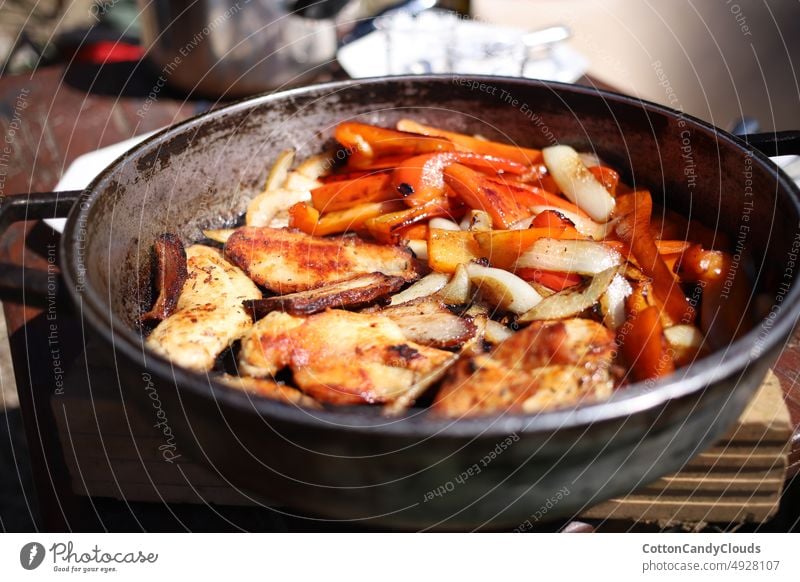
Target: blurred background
(717,59)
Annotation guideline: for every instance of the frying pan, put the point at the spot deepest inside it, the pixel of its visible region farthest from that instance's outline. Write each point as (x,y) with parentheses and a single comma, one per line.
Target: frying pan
(418,471)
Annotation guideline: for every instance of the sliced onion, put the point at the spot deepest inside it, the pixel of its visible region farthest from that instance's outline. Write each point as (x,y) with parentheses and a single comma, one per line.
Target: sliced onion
(458,289)
(584,257)
(315,167)
(503,289)
(267,206)
(220,235)
(279,171)
(522,223)
(443,224)
(419,247)
(476,220)
(297,181)
(496,332)
(612,303)
(577,183)
(428,285)
(585,226)
(590,159)
(684,336)
(571,302)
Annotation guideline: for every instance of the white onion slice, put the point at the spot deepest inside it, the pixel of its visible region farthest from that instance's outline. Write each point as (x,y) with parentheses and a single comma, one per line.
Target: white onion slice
(577,183)
(458,289)
(476,220)
(279,171)
(428,285)
(503,289)
(571,302)
(584,257)
(496,332)
(684,336)
(419,247)
(612,303)
(443,224)
(220,235)
(585,226)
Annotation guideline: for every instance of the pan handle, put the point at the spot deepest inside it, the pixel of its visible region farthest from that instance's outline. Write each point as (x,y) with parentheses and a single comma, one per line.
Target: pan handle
(33,206)
(777,143)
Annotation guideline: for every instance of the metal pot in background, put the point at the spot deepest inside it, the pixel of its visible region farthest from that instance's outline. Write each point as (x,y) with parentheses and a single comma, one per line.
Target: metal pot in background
(234,48)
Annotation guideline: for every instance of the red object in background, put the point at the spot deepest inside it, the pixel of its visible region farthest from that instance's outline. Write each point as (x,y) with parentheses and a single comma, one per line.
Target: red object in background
(105,51)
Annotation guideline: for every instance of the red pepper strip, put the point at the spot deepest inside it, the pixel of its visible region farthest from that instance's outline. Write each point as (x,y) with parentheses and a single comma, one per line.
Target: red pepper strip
(633,229)
(301,216)
(551,219)
(342,176)
(607,177)
(481,193)
(644,347)
(380,164)
(365,143)
(668,224)
(504,247)
(555,280)
(529,196)
(525,156)
(347,193)
(420,178)
(724,313)
(413,232)
(387,227)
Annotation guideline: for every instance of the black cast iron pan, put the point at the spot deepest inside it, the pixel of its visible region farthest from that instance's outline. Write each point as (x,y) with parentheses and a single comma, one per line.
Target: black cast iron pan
(417,471)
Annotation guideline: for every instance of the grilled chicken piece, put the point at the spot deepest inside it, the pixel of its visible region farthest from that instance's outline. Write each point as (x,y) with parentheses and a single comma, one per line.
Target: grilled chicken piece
(210,314)
(288,261)
(171,273)
(356,292)
(338,356)
(269,389)
(428,321)
(546,365)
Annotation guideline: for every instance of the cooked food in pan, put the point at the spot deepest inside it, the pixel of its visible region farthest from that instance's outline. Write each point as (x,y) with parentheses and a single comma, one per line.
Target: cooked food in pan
(431,267)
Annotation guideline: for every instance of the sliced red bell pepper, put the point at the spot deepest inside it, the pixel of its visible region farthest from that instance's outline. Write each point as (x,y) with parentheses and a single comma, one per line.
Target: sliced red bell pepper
(419,179)
(530,195)
(351,219)
(346,193)
(481,193)
(551,219)
(644,347)
(526,156)
(387,227)
(555,280)
(366,143)
(634,211)
(607,177)
(724,313)
(504,247)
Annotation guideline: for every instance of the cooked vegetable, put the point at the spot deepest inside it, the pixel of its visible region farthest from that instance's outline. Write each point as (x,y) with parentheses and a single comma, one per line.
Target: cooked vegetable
(428,285)
(170,275)
(358,291)
(571,302)
(503,289)
(569,256)
(428,322)
(458,290)
(546,279)
(577,182)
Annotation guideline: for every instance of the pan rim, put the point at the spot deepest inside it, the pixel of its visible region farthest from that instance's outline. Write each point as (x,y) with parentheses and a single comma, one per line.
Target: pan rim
(634,399)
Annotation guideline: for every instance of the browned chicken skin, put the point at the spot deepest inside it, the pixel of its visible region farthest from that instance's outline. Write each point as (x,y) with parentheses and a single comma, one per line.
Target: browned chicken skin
(546,365)
(338,356)
(287,261)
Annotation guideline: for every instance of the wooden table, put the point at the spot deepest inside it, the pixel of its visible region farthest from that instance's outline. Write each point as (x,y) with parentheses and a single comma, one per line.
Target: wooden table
(61,114)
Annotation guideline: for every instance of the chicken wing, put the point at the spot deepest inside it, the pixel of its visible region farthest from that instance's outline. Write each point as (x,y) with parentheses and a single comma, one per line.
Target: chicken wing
(209,315)
(287,261)
(339,356)
(548,364)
